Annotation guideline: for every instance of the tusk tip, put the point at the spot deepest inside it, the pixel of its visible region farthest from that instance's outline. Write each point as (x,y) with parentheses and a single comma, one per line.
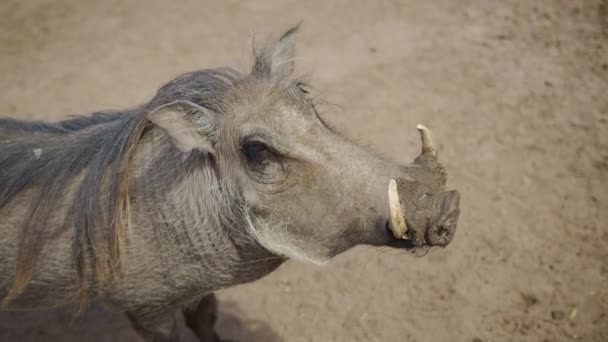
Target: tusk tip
(428,143)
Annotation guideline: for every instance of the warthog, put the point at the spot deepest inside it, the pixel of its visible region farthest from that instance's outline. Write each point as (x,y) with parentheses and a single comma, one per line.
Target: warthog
(216,181)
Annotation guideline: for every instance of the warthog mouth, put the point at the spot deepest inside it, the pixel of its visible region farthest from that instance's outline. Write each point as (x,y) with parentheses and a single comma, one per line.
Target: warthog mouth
(407,242)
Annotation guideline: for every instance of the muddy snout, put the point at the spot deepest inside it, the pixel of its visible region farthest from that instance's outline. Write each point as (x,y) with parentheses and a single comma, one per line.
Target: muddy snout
(432,221)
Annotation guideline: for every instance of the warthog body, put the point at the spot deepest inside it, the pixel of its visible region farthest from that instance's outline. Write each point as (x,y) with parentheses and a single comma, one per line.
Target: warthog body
(215,181)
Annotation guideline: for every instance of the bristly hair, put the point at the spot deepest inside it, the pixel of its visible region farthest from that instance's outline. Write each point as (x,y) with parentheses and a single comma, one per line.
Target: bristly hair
(66,126)
(98,149)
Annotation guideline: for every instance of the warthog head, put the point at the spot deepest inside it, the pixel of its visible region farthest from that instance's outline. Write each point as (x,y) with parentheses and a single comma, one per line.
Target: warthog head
(296,185)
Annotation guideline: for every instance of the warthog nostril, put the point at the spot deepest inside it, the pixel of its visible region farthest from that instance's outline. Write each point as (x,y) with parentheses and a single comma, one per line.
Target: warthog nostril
(439,235)
(443,232)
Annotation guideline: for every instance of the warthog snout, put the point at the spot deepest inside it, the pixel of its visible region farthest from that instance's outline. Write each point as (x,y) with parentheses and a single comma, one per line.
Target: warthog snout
(421,212)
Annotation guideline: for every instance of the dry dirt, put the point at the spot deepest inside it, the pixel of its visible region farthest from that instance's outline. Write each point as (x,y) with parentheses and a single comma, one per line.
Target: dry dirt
(515,91)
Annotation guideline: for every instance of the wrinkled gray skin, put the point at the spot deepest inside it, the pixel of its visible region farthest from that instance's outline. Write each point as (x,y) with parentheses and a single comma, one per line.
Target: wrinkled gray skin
(222,198)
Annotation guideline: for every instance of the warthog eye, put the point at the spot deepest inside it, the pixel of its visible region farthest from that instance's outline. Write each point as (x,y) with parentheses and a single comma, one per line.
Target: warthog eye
(265,163)
(304,87)
(256,153)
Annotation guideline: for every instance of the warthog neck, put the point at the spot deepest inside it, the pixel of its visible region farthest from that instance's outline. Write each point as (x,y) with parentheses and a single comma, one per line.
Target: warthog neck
(185,228)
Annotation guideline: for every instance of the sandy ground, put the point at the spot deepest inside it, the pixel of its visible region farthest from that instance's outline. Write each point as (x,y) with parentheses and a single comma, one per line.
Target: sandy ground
(515,91)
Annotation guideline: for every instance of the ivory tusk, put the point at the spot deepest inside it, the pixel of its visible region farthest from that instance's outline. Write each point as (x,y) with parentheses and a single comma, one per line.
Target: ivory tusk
(397,223)
(428,144)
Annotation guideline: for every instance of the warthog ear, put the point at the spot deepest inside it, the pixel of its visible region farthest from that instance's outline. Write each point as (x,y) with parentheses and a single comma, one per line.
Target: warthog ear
(188,125)
(276,60)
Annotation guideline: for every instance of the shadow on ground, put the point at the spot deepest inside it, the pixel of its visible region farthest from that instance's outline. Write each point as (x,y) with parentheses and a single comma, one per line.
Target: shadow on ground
(100,325)
(232,326)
